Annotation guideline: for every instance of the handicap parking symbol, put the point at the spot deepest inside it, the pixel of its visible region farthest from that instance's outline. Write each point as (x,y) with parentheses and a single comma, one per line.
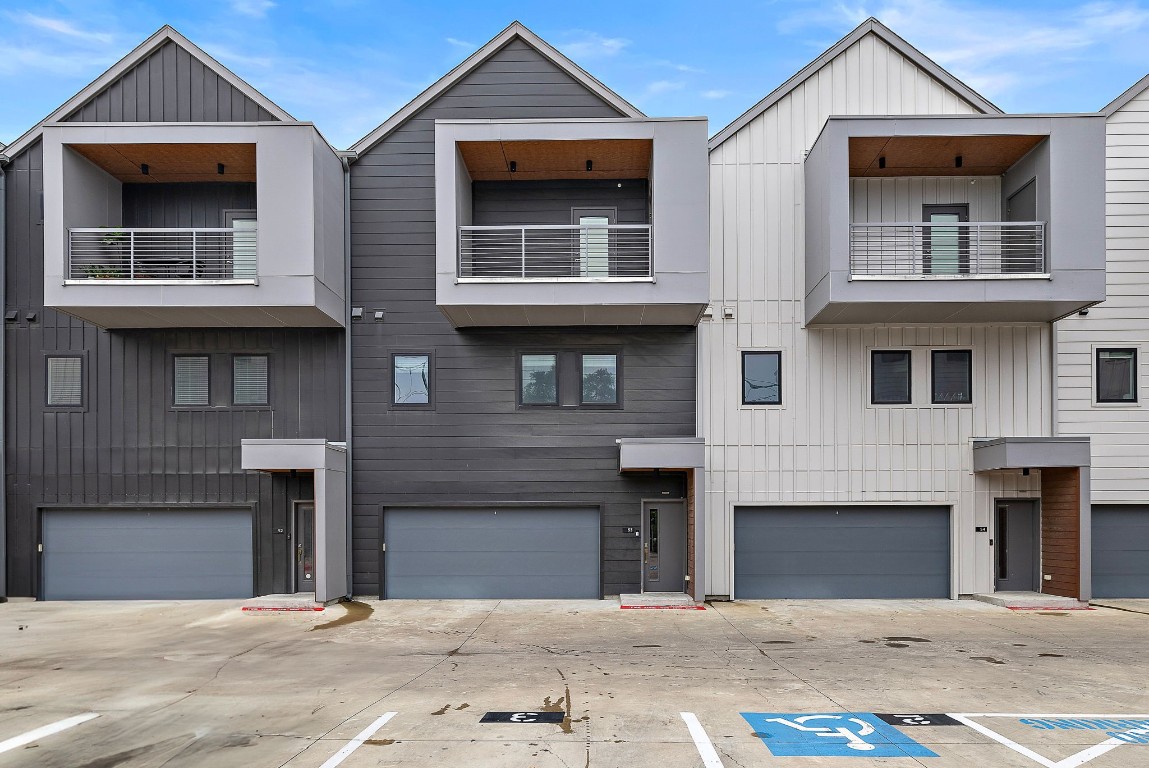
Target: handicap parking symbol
(832,734)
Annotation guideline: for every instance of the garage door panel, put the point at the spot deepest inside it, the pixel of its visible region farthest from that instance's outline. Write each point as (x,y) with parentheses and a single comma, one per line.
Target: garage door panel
(489,553)
(1120,551)
(842,552)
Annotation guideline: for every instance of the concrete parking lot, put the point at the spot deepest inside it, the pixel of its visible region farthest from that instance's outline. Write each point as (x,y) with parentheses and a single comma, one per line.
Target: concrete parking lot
(204,684)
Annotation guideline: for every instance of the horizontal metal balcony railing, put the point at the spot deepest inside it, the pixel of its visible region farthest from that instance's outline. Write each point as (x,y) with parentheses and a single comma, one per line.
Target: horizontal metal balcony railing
(555,252)
(950,249)
(160,255)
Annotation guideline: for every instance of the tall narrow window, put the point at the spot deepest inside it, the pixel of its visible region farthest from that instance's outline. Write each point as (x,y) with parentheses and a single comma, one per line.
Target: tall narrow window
(1117,375)
(249,380)
(952,376)
(599,379)
(761,378)
(66,381)
(411,379)
(539,379)
(890,380)
(192,380)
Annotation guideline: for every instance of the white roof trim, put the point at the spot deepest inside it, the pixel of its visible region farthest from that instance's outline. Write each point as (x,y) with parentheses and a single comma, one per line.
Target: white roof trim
(870,25)
(516,29)
(1133,92)
(165,34)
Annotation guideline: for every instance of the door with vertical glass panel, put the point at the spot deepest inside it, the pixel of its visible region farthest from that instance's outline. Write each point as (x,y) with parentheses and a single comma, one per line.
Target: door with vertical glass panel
(945,249)
(664,546)
(303,550)
(593,240)
(1015,540)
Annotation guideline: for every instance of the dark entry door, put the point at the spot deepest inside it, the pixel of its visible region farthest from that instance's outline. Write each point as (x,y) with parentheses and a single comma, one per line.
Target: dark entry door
(1015,546)
(664,546)
(304,546)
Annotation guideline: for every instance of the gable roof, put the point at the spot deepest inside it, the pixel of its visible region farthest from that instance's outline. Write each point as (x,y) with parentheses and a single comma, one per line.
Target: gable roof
(880,30)
(162,36)
(1133,92)
(515,30)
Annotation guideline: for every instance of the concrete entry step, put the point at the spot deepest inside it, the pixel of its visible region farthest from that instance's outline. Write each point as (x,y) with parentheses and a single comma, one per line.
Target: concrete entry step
(300,601)
(1031,601)
(668,600)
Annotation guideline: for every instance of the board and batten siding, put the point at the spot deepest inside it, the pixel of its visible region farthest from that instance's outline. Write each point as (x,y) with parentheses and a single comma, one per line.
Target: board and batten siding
(1119,434)
(475,446)
(826,444)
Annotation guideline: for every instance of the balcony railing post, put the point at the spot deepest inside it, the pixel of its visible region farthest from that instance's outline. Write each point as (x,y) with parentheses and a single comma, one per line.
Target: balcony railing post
(524,251)
(132,254)
(195,256)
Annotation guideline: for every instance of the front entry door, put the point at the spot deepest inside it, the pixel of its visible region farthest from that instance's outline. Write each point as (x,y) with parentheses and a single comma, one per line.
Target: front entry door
(1015,546)
(664,546)
(304,550)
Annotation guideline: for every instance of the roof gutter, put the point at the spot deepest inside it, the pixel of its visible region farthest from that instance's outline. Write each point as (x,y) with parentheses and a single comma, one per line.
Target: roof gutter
(345,159)
(3,384)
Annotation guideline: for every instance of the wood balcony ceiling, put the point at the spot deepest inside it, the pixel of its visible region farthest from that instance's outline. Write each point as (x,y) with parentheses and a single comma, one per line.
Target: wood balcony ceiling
(545,160)
(936,155)
(172,162)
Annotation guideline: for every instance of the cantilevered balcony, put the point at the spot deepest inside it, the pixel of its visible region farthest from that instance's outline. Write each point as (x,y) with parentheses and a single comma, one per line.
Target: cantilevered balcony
(552,253)
(953,250)
(204,256)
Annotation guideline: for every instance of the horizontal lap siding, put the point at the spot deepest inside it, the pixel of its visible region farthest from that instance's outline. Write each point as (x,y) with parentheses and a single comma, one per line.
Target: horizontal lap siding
(475,445)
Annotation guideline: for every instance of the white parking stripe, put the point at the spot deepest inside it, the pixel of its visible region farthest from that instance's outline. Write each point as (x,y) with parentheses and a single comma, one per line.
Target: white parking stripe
(701,741)
(47,730)
(357,742)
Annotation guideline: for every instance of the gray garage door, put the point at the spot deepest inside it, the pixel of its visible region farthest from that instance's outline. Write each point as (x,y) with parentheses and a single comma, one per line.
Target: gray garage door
(1121,551)
(841,552)
(145,554)
(492,553)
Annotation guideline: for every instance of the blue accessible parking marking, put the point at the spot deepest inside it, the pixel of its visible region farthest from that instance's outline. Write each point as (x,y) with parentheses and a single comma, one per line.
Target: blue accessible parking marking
(832,734)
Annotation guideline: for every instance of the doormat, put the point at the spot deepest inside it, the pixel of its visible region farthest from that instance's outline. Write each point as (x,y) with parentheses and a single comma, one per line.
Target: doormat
(662,607)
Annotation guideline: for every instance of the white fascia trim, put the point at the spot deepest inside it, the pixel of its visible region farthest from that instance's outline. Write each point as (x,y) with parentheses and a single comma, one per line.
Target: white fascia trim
(1133,92)
(870,25)
(165,34)
(516,29)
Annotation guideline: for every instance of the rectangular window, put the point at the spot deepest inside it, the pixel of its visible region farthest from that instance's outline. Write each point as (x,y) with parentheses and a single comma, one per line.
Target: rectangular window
(952,376)
(66,381)
(1117,375)
(192,380)
(890,377)
(599,379)
(411,379)
(538,379)
(249,380)
(761,378)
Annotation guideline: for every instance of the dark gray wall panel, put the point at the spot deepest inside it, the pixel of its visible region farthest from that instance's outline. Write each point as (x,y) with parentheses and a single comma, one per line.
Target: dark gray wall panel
(184,205)
(1120,551)
(170,85)
(475,445)
(146,554)
(502,552)
(841,552)
(496,203)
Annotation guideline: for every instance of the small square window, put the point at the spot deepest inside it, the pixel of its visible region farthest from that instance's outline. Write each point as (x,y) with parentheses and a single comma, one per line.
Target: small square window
(952,376)
(538,380)
(249,380)
(599,379)
(192,380)
(411,379)
(66,381)
(1117,375)
(761,378)
(890,379)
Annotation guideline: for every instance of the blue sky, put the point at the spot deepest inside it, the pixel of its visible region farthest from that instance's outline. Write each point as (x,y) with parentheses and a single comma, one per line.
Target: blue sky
(348,64)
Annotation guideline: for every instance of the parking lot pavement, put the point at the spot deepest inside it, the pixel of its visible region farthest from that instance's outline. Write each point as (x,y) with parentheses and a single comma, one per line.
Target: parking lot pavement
(787,683)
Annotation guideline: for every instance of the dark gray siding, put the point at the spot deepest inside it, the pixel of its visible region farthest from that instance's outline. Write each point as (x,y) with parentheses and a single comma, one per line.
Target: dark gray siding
(128,446)
(475,445)
(496,203)
(184,205)
(170,85)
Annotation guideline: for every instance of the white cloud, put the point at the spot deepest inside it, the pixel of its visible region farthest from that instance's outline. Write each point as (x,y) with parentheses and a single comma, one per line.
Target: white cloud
(663,86)
(461,43)
(590,45)
(715,94)
(62,28)
(256,9)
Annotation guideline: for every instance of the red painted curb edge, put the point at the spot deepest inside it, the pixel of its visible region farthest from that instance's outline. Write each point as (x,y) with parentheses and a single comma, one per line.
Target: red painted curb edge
(255,608)
(663,607)
(1049,608)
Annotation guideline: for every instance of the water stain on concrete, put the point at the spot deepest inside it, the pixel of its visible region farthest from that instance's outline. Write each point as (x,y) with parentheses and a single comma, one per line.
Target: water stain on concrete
(380,742)
(355,611)
(1052,655)
(462,706)
(442,711)
(642,646)
(906,640)
(777,642)
(1051,613)
(988,659)
(868,641)
(897,645)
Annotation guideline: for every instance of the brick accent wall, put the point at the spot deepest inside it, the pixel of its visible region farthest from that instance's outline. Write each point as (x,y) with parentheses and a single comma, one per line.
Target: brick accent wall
(1061,531)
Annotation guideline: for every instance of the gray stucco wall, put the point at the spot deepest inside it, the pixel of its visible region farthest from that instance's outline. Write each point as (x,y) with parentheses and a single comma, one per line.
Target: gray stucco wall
(475,445)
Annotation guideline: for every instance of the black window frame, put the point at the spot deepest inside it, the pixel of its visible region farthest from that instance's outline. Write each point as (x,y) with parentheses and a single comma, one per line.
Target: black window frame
(558,356)
(933,376)
(192,406)
(267,380)
(431,379)
(580,356)
(742,381)
(1097,377)
(57,407)
(909,377)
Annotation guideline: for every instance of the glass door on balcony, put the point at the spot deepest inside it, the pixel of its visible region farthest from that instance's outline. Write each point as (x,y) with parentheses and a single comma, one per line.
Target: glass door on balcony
(594,240)
(243,250)
(945,249)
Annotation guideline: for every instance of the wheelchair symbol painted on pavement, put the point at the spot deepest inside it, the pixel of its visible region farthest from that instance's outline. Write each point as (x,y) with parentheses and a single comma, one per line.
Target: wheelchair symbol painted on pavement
(832,734)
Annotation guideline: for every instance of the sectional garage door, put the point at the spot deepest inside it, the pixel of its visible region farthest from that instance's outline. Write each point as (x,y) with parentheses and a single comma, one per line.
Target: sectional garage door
(1120,551)
(492,553)
(841,552)
(146,554)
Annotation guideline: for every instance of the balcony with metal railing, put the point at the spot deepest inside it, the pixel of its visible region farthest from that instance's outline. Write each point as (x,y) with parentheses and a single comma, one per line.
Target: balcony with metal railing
(978,249)
(211,256)
(555,253)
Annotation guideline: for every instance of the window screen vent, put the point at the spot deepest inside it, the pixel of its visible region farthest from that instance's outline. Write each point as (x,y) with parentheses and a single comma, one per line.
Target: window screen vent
(249,379)
(192,377)
(65,381)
